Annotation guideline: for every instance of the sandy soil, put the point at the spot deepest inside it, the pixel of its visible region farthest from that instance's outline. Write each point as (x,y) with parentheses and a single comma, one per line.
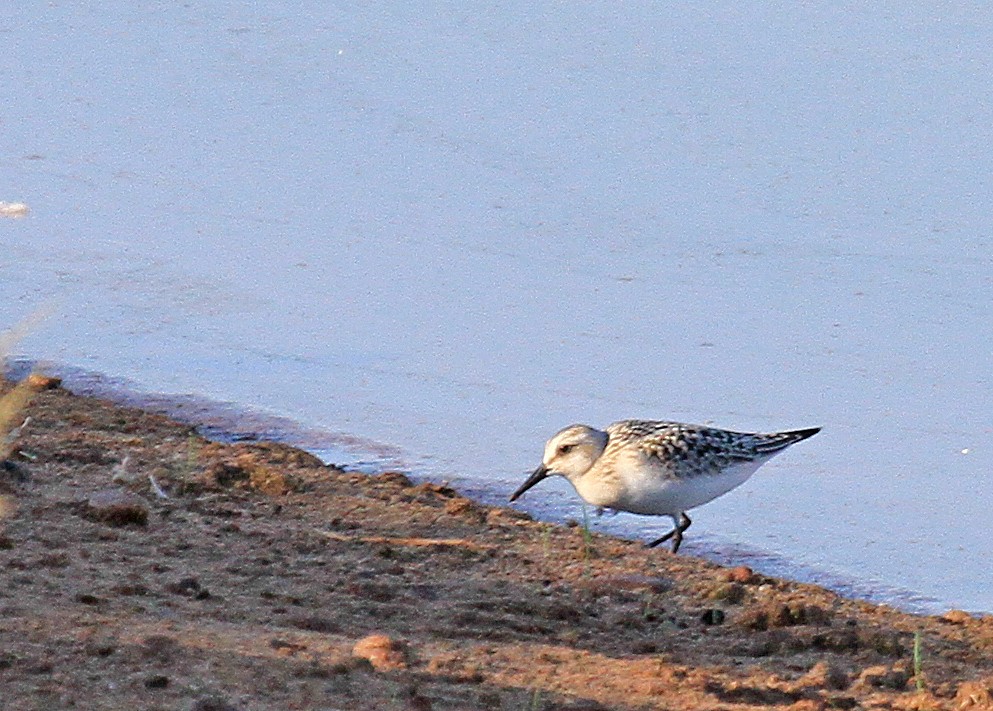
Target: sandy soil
(258,578)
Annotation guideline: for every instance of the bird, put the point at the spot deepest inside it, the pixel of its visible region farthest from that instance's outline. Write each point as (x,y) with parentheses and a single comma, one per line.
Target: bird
(657,468)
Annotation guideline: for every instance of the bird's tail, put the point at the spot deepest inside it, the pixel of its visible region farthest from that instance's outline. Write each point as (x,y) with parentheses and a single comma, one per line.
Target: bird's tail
(774,442)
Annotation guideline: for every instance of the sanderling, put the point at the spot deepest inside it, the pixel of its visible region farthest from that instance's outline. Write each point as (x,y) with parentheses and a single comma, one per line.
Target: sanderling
(657,468)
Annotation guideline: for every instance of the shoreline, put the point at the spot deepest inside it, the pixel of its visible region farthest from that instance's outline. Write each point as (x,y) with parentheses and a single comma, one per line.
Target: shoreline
(229,422)
(138,556)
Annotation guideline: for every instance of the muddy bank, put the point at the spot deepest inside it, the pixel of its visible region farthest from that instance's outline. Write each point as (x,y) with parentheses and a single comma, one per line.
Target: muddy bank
(142,566)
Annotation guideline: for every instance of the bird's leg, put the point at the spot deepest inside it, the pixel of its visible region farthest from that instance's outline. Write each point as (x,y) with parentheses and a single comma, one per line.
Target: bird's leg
(682,523)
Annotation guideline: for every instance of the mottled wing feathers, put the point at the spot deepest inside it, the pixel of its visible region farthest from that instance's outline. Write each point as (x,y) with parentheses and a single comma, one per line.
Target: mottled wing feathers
(692,450)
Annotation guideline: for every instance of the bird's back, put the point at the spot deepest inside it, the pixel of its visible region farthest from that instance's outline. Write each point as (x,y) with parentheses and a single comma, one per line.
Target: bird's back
(683,451)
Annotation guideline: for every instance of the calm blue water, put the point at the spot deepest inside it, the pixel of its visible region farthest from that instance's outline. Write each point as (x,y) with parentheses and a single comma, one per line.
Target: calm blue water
(439,233)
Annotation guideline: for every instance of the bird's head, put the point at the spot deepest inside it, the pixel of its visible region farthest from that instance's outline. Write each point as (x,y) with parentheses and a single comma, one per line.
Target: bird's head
(570,453)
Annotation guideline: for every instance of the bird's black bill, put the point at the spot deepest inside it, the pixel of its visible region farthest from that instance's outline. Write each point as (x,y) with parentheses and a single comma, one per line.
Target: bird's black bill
(539,474)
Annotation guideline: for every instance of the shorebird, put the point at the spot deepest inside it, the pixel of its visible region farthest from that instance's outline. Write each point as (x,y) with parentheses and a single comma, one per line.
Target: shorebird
(657,468)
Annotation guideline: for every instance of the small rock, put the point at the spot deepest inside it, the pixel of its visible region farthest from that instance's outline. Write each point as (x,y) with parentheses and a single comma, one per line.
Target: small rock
(117,507)
(395,478)
(383,652)
(39,381)
(975,695)
(741,574)
(957,617)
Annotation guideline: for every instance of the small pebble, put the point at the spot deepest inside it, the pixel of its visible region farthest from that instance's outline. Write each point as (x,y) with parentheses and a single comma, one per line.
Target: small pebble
(741,574)
(39,381)
(383,652)
(395,478)
(957,617)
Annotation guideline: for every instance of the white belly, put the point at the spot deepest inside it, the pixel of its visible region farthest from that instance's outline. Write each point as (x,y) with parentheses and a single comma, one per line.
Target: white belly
(645,492)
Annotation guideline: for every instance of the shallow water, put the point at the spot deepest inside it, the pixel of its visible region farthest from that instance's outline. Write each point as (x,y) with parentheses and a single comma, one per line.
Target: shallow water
(440,234)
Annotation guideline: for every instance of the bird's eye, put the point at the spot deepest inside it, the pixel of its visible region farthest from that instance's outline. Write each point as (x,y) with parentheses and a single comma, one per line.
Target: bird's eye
(565,448)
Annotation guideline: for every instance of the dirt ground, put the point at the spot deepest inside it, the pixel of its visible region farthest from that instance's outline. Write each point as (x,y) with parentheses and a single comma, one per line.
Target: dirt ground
(144,567)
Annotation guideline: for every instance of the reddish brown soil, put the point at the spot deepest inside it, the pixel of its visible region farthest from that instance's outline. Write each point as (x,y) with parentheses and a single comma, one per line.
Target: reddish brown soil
(259,581)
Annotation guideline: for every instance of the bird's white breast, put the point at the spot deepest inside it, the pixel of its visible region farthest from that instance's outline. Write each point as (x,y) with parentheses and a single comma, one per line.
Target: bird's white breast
(647,490)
